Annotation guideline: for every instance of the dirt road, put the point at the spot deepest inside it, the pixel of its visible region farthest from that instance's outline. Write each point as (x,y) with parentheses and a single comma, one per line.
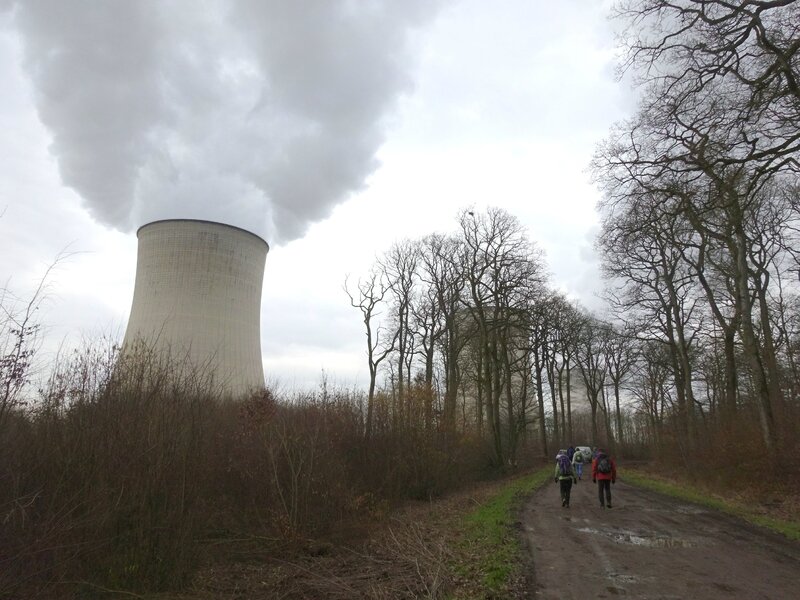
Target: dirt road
(650,546)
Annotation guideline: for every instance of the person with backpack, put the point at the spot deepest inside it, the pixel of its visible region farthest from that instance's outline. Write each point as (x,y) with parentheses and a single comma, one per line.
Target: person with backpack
(564,476)
(570,452)
(577,463)
(604,473)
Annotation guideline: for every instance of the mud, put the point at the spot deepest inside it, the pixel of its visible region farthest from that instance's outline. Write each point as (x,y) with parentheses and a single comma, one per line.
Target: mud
(650,546)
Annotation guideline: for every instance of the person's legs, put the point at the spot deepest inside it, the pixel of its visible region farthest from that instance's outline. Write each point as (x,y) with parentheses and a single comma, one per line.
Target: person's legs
(579,469)
(565,485)
(604,488)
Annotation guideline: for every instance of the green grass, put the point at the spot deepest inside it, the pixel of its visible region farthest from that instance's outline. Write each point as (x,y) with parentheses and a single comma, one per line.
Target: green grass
(489,539)
(685,491)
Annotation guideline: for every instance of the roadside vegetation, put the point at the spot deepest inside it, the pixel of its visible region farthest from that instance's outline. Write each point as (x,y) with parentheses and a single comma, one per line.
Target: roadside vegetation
(489,548)
(123,476)
(133,476)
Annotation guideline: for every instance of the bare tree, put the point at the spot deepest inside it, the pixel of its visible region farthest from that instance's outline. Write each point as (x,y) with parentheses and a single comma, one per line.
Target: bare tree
(642,247)
(399,266)
(502,270)
(592,366)
(19,340)
(369,293)
(18,345)
(652,387)
(538,346)
(716,132)
(441,272)
(620,358)
(755,43)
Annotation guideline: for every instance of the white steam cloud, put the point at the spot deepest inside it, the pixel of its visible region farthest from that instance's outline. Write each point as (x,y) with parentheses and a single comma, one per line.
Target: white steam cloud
(260,113)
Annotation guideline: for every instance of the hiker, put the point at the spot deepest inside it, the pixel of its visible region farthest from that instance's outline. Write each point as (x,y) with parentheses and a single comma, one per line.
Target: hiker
(604,473)
(571,452)
(565,476)
(577,463)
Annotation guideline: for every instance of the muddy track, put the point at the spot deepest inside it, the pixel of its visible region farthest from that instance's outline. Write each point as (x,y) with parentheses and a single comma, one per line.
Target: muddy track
(650,546)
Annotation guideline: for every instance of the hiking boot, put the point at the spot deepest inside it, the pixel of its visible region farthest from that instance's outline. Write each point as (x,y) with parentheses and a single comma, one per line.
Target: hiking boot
(563,503)
(609,505)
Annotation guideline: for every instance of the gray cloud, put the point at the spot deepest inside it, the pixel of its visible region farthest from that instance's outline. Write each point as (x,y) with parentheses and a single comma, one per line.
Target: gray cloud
(263,114)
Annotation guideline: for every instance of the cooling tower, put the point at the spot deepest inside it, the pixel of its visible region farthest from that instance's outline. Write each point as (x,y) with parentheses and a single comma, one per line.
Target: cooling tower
(198,298)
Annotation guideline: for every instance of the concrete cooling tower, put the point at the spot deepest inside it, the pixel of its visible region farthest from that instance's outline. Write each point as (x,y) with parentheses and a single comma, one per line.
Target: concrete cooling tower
(198,297)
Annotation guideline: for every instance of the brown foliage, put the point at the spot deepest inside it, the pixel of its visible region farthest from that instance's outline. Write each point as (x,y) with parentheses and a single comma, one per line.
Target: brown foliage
(128,475)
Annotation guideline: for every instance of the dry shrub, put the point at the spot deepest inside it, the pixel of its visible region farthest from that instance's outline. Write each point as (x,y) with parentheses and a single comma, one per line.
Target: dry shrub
(402,562)
(408,456)
(405,562)
(730,457)
(127,474)
(291,459)
(108,471)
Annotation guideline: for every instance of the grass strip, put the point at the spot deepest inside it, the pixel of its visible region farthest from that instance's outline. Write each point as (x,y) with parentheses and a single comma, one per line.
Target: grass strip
(685,491)
(490,546)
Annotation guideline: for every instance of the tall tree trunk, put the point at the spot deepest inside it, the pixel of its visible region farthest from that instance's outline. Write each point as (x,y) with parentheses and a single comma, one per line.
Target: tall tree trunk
(750,342)
(566,431)
(511,422)
(620,436)
(452,379)
(493,389)
(558,436)
(770,358)
(537,371)
(593,401)
(569,402)
(610,439)
(370,402)
(480,396)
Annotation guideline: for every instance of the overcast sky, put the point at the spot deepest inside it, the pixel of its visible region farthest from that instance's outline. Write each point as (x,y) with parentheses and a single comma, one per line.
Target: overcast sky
(330,128)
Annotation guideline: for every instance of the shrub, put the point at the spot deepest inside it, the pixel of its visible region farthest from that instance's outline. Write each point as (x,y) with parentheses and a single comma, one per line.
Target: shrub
(127,473)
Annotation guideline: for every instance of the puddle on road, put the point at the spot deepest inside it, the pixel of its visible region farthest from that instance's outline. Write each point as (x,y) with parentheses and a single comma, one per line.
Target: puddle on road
(690,510)
(636,539)
(621,577)
(684,510)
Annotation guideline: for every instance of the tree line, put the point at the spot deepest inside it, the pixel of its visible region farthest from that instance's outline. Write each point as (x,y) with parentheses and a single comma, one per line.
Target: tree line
(471,339)
(698,247)
(700,213)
